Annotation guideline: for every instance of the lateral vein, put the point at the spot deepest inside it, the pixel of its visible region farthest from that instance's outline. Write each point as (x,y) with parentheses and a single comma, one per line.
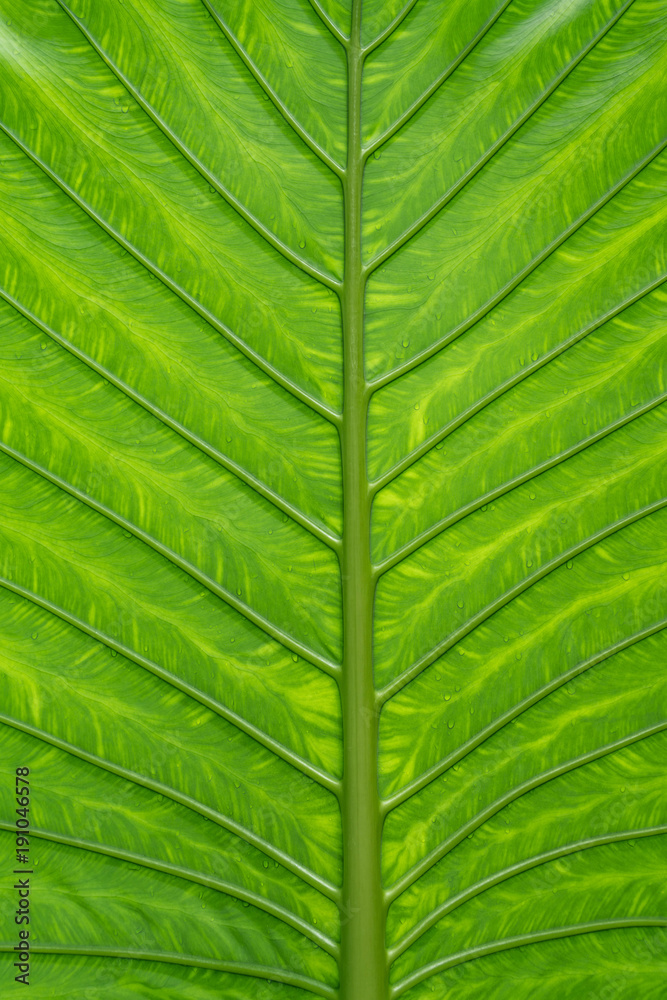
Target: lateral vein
(326,780)
(551,463)
(430,775)
(324,278)
(427,216)
(518,942)
(285,383)
(318,531)
(518,279)
(272,631)
(261,80)
(393,688)
(192,962)
(481,404)
(330,23)
(437,83)
(389,30)
(311,878)
(451,842)
(507,873)
(326,943)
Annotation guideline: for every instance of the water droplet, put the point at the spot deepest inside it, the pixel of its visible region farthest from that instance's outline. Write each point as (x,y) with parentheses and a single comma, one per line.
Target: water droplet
(295,657)
(125,109)
(416,406)
(532,496)
(529,562)
(238,591)
(265,863)
(569,564)
(43,346)
(626,576)
(113,652)
(406,342)
(459,604)
(376,154)
(450,724)
(302,244)
(34,635)
(448,697)
(534,355)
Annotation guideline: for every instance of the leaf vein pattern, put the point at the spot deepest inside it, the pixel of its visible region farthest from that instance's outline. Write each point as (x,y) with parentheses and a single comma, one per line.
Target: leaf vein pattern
(551,463)
(271,630)
(328,280)
(411,672)
(422,221)
(507,873)
(517,280)
(317,530)
(197,878)
(193,962)
(323,778)
(425,779)
(448,845)
(261,80)
(413,456)
(312,879)
(360,697)
(314,404)
(519,942)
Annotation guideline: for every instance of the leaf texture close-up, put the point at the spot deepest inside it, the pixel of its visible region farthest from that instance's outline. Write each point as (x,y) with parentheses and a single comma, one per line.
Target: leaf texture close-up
(333,498)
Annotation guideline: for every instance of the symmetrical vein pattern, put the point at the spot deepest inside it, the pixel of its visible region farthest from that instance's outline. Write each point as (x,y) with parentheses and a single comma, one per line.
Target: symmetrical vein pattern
(333,448)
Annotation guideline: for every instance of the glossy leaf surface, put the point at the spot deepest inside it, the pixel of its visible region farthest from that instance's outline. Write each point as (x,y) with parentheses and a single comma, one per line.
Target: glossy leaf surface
(332,517)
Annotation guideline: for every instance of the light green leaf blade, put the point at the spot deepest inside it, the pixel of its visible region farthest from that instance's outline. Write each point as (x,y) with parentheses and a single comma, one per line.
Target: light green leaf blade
(332,497)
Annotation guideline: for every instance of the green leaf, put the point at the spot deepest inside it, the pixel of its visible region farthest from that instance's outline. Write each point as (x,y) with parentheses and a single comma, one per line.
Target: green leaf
(333,518)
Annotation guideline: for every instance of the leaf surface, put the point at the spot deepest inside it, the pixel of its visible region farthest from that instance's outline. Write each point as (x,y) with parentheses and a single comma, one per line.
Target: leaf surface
(333,519)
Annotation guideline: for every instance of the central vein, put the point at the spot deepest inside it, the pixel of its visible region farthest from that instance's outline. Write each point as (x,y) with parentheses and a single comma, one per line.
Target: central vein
(363,954)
